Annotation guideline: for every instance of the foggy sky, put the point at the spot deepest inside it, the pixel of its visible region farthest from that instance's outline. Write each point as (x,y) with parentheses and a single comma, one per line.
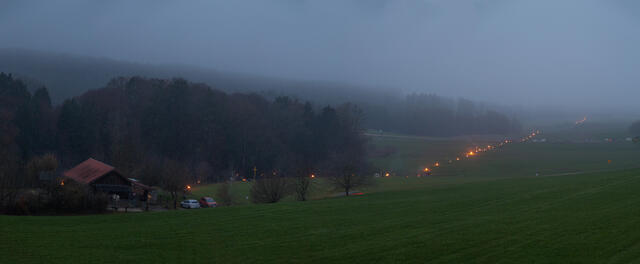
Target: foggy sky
(530,52)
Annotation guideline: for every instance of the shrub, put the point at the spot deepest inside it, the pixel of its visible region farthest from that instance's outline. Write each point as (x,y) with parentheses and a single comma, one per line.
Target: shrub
(27,203)
(74,198)
(95,203)
(223,194)
(164,199)
(268,190)
(70,198)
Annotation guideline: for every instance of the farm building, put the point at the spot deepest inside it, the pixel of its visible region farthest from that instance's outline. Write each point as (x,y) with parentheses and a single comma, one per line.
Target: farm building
(100,177)
(144,192)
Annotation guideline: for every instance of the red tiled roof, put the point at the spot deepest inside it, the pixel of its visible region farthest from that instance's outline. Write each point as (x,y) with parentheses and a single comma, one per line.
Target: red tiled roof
(142,186)
(88,171)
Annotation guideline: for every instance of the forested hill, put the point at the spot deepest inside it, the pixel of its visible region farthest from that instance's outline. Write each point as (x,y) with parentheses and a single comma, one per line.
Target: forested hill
(67,76)
(137,124)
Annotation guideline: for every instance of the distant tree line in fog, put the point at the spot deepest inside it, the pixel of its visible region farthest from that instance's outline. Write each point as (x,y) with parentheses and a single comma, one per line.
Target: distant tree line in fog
(417,114)
(634,129)
(432,115)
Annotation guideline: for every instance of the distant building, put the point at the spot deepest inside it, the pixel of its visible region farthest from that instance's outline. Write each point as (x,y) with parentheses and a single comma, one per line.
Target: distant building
(100,177)
(144,192)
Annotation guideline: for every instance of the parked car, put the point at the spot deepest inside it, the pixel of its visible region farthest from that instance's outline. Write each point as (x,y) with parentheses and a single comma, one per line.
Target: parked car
(190,204)
(207,202)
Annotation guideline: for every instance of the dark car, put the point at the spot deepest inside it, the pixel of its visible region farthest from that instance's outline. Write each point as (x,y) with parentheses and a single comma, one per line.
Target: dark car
(207,202)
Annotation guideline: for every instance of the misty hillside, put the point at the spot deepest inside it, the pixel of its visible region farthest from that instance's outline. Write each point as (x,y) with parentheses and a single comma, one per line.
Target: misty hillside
(68,75)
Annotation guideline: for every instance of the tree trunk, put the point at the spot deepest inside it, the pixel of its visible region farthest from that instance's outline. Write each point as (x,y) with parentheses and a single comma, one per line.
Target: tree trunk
(175,200)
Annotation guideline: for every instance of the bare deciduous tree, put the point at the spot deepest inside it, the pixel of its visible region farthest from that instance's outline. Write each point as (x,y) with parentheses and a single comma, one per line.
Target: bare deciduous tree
(203,172)
(348,171)
(302,183)
(223,194)
(174,176)
(269,189)
(9,182)
(9,161)
(47,163)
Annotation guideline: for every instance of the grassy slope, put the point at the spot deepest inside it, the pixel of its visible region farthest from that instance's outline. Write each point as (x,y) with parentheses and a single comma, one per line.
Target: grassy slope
(492,209)
(513,160)
(586,218)
(516,160)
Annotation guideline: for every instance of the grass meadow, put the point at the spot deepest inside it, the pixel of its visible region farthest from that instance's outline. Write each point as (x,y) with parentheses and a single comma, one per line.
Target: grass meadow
(583,207)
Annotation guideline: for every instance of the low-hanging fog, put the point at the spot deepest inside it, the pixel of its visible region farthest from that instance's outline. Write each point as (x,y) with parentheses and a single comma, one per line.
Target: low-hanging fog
(576,53)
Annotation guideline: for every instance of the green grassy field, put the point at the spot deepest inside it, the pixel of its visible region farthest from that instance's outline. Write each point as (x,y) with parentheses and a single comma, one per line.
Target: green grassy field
(491,208)
(518,159)
(575,218)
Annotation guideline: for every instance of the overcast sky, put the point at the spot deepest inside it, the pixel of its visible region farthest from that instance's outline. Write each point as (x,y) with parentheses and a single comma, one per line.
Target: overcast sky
(531,52)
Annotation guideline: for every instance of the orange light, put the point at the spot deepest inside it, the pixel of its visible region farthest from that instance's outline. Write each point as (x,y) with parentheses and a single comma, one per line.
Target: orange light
(61,183)
(471,153)
(244,180)
(313,176)
(457,158)
(386,174)
(426,169)
(188,187)
(437,164)
(609,161)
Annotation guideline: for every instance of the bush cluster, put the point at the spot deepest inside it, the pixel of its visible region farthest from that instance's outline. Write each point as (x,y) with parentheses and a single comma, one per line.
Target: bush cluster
(67,199)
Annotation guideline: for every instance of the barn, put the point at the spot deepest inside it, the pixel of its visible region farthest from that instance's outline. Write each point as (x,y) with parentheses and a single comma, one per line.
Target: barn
(100,177)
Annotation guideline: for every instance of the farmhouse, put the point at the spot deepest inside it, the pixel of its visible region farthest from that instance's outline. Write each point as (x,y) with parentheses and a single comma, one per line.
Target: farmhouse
(100,177)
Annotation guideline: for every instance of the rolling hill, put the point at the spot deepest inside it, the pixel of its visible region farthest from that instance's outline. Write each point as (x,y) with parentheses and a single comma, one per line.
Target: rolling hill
(67,75)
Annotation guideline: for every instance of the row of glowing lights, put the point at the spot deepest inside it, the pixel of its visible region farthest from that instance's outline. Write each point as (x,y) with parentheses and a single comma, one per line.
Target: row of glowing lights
(530,136)
(479,150)
(312,176)
(471,153)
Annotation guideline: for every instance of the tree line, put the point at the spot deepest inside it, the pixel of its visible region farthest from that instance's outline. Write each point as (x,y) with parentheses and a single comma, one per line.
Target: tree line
(173,132)
(432,115)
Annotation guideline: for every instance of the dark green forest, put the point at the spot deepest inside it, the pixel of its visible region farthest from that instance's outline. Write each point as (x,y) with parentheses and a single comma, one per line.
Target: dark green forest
(136,124)
(67,76)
